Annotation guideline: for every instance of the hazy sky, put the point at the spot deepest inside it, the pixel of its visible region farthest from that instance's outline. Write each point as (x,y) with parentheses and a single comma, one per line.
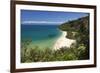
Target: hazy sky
(48,17)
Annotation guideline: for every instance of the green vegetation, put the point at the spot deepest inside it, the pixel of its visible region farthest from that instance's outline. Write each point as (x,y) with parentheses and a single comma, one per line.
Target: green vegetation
(79,30)
(63,54)
(76,29)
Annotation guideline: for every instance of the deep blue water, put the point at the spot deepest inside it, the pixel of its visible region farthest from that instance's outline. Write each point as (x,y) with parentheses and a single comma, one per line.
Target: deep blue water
(39,32)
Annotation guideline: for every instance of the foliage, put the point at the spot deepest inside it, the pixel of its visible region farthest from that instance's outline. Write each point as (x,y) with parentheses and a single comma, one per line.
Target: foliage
(63,54)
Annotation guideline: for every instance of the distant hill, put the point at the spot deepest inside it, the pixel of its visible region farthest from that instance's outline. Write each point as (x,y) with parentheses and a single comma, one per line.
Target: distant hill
(79,26)
(75,24)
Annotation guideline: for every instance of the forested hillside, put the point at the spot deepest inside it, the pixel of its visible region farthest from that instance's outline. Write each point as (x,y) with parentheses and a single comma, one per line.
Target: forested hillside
(78,29)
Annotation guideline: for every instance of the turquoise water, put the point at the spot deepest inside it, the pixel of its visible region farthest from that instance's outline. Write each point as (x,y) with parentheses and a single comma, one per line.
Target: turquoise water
(43,36)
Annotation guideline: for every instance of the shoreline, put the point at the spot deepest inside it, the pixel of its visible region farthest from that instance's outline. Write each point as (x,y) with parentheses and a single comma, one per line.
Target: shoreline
(63,41)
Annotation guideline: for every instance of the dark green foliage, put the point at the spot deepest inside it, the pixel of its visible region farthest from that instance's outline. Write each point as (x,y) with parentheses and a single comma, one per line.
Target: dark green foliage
(63,54)
(35,55)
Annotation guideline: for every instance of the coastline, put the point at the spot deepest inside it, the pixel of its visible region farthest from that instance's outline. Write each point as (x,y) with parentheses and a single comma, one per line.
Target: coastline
(63,41)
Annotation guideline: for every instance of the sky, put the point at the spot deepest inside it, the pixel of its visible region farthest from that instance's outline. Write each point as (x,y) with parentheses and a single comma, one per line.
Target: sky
(34,17)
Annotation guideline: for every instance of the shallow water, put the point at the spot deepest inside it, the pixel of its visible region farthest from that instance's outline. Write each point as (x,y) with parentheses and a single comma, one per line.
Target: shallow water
(43,36)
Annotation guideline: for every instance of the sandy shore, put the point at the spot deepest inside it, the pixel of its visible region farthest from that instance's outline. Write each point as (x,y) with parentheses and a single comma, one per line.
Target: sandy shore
(63,41)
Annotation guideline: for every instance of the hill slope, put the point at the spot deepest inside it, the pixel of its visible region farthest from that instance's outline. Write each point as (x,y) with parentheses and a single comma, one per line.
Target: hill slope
(79,30)
(75,25)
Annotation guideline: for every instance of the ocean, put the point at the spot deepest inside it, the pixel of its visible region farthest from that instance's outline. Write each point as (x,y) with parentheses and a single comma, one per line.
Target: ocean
(43,36)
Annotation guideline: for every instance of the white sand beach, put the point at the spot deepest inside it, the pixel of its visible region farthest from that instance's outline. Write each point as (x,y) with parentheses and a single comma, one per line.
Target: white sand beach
(63,41)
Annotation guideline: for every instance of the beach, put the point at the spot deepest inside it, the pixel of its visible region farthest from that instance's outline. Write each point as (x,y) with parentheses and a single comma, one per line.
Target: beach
(63,41)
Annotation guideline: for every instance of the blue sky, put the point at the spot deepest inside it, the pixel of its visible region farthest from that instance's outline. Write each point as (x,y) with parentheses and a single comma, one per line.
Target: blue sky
(48,17)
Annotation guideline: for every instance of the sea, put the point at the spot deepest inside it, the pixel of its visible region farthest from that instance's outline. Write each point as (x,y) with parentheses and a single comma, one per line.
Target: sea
(42,36)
